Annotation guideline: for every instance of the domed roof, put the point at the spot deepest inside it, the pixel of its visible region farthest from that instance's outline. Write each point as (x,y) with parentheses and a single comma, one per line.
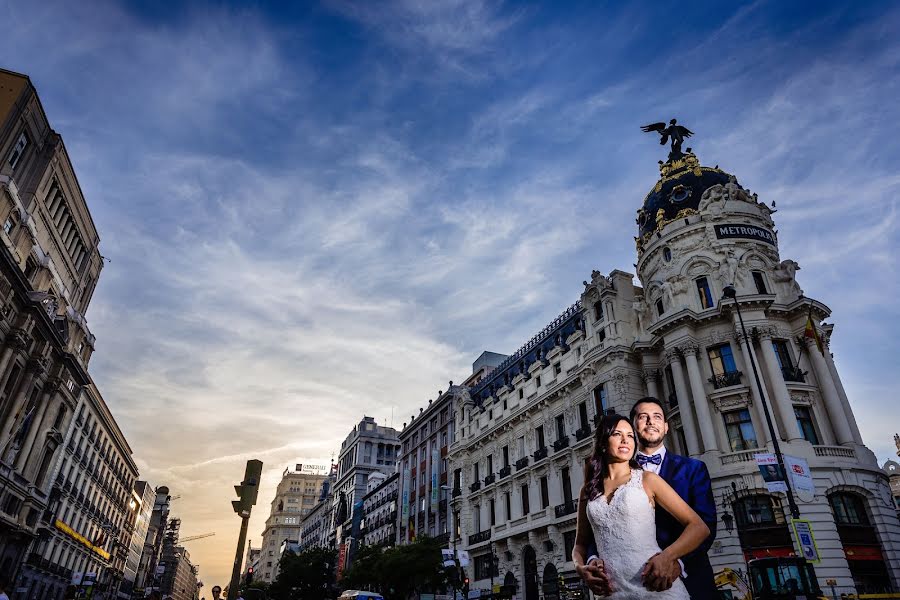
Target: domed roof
(680,187)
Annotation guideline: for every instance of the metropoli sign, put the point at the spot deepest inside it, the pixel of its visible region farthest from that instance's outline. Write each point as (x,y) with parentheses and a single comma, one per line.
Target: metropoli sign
(745,231)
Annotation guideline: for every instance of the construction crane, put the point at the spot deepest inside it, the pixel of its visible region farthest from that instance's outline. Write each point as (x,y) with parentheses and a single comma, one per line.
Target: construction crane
(727,577)
(191,538)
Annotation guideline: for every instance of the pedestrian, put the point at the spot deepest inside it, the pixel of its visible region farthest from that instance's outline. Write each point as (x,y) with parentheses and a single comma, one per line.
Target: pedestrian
(216,592)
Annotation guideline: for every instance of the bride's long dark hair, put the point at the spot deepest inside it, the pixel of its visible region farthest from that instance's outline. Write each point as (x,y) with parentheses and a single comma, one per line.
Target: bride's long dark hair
(597,466)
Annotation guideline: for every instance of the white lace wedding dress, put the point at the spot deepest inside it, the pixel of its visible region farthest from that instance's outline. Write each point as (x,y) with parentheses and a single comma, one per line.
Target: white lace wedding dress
(625,533)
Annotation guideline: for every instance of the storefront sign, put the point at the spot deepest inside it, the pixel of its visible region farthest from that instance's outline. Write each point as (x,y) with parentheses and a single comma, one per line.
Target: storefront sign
(80,538)
(804,535)
(746,232)
(771,472)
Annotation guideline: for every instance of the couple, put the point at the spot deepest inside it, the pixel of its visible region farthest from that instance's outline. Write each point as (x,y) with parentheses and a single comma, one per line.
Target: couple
(636,499)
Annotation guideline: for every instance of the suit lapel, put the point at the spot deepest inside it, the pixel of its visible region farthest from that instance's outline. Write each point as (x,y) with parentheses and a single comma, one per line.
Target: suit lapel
(668,466)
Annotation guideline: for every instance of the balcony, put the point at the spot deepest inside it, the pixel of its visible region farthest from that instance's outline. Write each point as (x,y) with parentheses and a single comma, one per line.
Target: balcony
(481,536)
(561,443)
(505,471)
(475,486)
(566,508)
(521,463)
(541,453)
(490,479)
(457,492)
(724,380)
(582,433)
(792,373)
(835,451)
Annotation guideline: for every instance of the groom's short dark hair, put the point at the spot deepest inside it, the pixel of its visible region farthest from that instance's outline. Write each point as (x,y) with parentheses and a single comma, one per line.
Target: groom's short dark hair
(646,400)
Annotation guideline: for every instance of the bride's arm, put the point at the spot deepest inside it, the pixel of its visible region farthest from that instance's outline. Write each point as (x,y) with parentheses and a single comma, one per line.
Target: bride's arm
(695,530)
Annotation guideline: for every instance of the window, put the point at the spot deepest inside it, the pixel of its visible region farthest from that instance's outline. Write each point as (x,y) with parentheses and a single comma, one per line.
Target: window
(507,499)
(457,479)
(600,404)
(9,225)
(805,423)
(598,311)
(583,416)
(545,492)
(706,299)
(759,281)
(525,505)
(539,437)
(557,369)
(483,567)
(521,393)
(667,256)
(848,509)
(782,354)
(670,384)
(755,511)
(568,544)
(566,485)
(477,518)
(493,512)
(660,310)
(560,427)
(475,472)
(537,381)
(521,444)
(18,149)
(721,359)
(741,435)
(505,456)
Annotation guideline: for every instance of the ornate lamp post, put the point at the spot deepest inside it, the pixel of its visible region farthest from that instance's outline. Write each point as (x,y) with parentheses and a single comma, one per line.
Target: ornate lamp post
(730,293)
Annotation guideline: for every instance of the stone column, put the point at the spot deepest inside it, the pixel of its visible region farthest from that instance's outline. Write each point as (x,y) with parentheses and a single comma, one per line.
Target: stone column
(701,404)
(758,416)
(37,425)
(35,368)
(783,405)
(851,418)
(650,374)
(833,404)
(684,402)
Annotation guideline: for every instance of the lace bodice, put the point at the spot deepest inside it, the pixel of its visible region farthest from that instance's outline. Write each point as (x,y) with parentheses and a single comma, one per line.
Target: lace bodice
(625,533)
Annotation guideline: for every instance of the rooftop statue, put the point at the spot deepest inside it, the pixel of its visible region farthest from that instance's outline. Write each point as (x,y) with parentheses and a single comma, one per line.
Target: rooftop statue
(674,132)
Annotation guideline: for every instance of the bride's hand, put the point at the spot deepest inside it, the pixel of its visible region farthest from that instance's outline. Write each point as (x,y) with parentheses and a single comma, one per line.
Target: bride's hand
(595,577)
(660,572)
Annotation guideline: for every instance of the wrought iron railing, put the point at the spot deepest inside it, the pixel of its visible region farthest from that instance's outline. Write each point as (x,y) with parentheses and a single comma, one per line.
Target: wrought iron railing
(566,508)
(540,453)
(505,471)
(793,374)
(726,379)
(522,463)
(481,536)
(561,443)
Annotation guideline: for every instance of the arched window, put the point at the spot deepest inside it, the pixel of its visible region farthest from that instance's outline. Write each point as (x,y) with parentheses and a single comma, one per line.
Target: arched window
(849,509)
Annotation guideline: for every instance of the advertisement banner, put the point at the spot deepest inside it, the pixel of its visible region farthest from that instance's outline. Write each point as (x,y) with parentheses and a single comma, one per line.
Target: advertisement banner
(805,540)
(404,502)
(771,472)
(435,485)
(342,559)
(801,477)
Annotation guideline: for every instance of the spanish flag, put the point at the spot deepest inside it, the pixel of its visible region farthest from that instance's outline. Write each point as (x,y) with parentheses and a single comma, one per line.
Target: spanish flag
(811,332)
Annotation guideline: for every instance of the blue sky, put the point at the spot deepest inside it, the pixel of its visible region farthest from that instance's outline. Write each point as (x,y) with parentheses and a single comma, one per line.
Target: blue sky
(315,214)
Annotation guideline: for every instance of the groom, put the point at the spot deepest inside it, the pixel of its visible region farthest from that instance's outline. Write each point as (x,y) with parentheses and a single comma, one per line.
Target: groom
(690,479)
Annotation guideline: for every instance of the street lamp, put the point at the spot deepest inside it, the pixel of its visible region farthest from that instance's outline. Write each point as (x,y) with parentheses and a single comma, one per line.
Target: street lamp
(730,293)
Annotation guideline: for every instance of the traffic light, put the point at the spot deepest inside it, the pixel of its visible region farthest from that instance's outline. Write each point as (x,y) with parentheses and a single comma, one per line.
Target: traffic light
(248,578)
(466,587)
(248,489)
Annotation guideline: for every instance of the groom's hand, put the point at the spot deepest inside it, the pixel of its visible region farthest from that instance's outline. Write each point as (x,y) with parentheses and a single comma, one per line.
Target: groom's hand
(595,577)
(660,572)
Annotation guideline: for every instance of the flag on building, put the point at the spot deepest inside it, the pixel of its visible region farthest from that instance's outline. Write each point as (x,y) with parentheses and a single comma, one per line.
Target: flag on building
(811,332)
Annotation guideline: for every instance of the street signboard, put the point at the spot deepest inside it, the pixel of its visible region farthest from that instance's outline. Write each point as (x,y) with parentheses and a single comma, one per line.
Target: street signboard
(803,533)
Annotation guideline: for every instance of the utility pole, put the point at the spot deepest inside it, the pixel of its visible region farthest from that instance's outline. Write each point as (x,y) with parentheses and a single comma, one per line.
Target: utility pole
(247,491)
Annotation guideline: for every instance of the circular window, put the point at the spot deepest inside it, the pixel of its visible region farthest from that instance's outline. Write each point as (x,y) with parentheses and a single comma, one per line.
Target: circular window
(667,254)
(680,194)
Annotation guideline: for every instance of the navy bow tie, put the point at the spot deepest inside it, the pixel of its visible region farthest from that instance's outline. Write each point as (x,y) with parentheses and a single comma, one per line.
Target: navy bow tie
(656,459)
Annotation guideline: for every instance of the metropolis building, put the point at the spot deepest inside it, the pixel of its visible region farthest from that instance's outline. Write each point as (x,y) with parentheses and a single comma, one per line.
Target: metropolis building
(524,431)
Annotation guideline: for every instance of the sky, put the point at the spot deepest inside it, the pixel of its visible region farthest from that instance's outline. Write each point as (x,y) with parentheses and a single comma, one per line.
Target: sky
(328,210)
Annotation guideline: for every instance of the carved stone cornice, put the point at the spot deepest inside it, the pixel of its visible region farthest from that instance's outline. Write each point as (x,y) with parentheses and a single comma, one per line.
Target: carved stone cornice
(38,366)
(731,402)
(649,374)
(672,355)
(18,339)
(689,347)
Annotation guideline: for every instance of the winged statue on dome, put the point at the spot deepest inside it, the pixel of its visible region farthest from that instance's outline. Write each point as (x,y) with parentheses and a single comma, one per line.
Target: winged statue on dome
(674,132)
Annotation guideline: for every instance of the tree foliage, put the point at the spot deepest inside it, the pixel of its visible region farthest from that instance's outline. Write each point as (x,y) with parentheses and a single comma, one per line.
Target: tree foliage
(305,576)
(398,572)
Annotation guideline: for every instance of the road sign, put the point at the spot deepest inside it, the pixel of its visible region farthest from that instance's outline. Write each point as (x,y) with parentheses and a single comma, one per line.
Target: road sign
(803,533)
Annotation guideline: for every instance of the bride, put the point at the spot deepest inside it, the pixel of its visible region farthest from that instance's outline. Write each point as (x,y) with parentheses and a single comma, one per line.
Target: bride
(617,509)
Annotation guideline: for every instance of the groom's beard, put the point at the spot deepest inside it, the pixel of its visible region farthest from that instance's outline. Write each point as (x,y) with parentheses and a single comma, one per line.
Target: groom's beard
(654,442)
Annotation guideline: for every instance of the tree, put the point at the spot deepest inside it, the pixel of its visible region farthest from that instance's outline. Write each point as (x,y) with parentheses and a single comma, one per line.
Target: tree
(416,567)
(305,576)
(365,571)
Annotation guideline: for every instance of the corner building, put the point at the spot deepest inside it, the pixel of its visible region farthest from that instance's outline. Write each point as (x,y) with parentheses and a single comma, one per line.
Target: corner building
(672,337)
